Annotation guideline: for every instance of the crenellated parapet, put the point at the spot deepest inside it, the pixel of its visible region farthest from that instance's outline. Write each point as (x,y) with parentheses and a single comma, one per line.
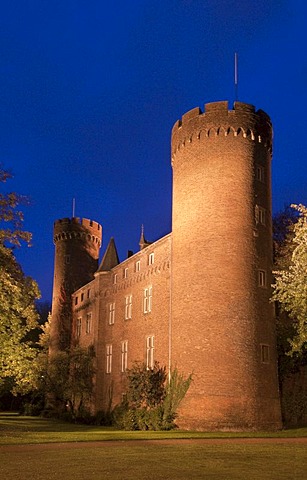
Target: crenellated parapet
(243,121)
(77,228)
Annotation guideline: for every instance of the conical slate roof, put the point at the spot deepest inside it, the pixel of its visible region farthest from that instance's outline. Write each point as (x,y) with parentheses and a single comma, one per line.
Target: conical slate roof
(110,258)
(143,242)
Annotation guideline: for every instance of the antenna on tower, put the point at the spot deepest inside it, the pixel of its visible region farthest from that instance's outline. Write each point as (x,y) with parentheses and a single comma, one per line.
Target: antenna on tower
(236,77)
(73,207)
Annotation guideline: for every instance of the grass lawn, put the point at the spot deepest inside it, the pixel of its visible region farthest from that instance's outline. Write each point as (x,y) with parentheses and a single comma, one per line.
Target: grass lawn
(28,451)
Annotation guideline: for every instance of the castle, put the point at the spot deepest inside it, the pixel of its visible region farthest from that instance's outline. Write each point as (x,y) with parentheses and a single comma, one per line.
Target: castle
(197,299)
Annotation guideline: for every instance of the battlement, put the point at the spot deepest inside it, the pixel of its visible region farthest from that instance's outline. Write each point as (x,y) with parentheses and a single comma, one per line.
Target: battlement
(217,120)
(69,228)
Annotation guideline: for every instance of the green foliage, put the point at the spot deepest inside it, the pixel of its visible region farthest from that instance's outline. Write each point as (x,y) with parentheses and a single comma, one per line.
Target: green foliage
(11,218)
(18,315)
(290,288)
(152,399)
(146,386)
(67,381)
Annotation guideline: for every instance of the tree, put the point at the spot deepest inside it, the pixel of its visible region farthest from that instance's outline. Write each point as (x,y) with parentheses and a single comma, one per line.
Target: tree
(66,378)
(18,315)
(283,233)
(290,288)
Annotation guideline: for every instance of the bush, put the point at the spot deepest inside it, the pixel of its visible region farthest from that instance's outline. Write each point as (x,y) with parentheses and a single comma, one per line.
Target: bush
(152,401)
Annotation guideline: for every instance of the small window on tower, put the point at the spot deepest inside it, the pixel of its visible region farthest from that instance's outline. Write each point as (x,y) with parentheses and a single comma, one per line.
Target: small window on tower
(126,273)
(262,280)
(115,279)
(82,297)
(260,173)
(265,353)
(260,215)
(138,266)
(151,259)
(76,301)
(67,259)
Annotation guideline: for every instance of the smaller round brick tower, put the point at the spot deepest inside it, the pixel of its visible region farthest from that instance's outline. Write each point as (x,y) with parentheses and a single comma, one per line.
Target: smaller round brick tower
(77,243)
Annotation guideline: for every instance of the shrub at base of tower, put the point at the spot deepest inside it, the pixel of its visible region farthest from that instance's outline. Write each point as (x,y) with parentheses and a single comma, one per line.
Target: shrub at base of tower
(68,383)
(152,400)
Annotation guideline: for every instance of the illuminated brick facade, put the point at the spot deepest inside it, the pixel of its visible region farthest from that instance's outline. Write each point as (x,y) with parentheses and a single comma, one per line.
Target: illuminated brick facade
(198,298)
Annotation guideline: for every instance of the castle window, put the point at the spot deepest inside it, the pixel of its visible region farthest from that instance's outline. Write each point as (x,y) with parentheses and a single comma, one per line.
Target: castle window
(88,323)
(265,353)
(109,358)
(82,297)
(115,279)
(67,259)
(89,293)
(151,259)
(138,266)
(150,346)
(128,307)
(147,300)
(76,301)
(126,273)
(262,280)
(111,313)
(260,173)
(79,327)
(124,355)
(260,215)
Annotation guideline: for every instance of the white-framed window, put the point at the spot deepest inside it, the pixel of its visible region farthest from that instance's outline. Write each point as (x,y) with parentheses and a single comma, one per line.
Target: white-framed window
(109,358)
(260,215)
(111,313)
(262,280)
(126,273)
(79,327)
(260,173)
(88,323)
(147,299)
(124,355)
(151,258)
(89,293)
(128,307)
(150,347)
(115,279)
(265,353)
(138,266)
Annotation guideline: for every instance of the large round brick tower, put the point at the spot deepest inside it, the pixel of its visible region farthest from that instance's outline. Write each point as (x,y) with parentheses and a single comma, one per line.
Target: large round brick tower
(77,243)
(223,326)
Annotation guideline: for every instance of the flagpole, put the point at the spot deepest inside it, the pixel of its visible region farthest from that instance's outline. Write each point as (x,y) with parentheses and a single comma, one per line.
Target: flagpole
(236,77)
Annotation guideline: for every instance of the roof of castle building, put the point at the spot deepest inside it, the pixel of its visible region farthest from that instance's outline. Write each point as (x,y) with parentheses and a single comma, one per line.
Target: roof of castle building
(110,258)
(143,242)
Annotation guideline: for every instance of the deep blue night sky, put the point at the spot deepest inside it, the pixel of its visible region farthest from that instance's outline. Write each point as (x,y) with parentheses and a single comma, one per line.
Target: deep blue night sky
(91,89)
